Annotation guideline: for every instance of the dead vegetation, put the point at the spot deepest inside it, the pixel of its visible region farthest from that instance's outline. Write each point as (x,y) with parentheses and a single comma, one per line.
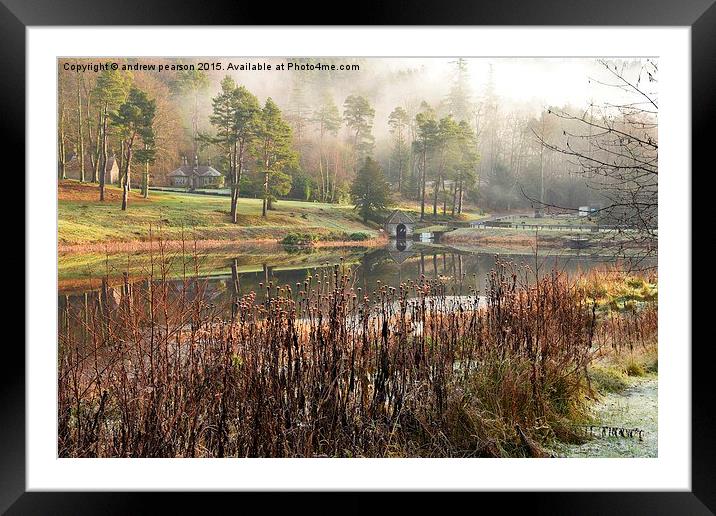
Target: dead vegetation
(322,368)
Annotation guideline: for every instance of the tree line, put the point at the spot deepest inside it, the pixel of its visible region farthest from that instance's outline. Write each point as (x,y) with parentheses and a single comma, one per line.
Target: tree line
(443,152)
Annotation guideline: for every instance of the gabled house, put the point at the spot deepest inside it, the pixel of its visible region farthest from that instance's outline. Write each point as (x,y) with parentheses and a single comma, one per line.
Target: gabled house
(72,169)
(196,176)
(399,225)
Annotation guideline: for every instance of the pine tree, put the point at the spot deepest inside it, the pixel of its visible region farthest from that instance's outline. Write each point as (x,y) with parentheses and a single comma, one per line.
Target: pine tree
(134,119)
(423,146)
(369,191)
(273,151)
(398,122)
(328,120)
(110,91)
(459,104)
(358,115)
(465,167)
(235,116)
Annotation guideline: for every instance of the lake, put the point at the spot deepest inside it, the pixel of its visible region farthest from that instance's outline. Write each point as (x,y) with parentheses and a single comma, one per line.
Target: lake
(227,273)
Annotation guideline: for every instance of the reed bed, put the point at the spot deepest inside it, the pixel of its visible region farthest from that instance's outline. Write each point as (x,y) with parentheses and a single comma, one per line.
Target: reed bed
(325,369)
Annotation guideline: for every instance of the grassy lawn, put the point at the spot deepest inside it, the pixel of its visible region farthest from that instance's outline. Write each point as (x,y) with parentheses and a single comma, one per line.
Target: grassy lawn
(505,238)
(413,208)
(82,219)
(479,234)
(567,220)
(433,229)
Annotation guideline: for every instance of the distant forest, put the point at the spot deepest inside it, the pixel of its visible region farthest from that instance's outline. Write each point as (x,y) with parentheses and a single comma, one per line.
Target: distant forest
(306,133)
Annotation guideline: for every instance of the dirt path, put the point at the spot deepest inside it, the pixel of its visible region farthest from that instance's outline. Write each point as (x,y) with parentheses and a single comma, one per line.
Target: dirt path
(636,407)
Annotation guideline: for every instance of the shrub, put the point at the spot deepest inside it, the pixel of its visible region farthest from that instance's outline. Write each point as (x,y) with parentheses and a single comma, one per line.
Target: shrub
(359,236)
(299,239)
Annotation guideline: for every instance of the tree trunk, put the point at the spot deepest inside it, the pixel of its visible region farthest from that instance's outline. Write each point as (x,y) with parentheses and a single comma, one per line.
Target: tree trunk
(459,199)
(80,138)
(454,200)
(335,179)
(320,165)
(236,164)
(422,186)
(266,191)
(234,200)
(127,171)
(121,163)
(320,170)
(436,190)
(103,157)
(97,149)
(145,179)
(61,151)
(91,144)
(62,174)
(233,176)
(125,196)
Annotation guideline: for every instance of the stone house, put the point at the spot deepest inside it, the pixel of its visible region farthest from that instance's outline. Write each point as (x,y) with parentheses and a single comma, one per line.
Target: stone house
(196,176)
(111,171)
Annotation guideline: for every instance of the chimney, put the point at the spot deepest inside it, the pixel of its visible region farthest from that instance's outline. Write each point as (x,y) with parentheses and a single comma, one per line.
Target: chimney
(208,162)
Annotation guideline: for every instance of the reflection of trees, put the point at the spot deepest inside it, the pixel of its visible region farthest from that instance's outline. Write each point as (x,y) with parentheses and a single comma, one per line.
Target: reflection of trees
(462,272)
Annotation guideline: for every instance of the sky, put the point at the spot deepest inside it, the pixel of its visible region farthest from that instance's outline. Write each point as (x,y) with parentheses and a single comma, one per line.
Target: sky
(529,83)
(536,81)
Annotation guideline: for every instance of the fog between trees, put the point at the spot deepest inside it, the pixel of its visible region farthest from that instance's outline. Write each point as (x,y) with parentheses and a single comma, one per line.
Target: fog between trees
(492,134)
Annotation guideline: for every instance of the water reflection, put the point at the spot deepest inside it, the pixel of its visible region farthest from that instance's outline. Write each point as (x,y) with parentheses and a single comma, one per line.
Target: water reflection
(398,262)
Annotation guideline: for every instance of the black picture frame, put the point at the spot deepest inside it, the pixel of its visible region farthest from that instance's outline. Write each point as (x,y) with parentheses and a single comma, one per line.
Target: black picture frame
(17,15)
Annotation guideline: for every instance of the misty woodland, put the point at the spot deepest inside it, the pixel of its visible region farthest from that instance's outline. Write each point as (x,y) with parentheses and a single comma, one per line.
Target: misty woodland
(357,257)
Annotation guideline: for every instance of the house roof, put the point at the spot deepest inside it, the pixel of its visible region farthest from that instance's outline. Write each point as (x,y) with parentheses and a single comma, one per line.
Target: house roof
(208,171)
(178,173)
(201,170)
(399,217)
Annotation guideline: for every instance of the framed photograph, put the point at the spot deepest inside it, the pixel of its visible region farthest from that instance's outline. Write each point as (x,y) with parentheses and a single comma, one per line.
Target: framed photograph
(416,253)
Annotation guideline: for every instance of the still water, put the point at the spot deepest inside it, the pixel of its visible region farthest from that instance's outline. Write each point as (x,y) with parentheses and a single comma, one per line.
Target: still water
(464,272)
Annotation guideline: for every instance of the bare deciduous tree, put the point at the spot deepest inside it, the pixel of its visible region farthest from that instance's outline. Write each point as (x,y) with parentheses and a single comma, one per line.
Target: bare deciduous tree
(614,147)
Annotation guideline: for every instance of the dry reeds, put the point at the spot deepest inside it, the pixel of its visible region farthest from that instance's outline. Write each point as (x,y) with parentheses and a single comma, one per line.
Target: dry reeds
(322,368)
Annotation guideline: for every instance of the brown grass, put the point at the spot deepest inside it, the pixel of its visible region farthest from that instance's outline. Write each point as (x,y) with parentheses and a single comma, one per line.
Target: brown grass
(76,191)
(321,368)
(201,245)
